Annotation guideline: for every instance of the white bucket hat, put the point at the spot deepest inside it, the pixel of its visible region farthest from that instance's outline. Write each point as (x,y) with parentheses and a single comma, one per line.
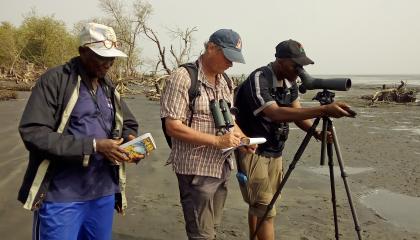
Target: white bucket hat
(101,39)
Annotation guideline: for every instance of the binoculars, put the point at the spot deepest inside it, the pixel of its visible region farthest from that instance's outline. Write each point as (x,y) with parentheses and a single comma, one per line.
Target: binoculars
(222,117)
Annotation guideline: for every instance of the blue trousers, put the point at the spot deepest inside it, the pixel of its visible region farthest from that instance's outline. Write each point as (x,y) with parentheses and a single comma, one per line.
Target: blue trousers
(74,220)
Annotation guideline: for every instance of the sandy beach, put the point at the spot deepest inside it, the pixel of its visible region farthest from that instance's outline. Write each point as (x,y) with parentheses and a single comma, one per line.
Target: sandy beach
(380,149)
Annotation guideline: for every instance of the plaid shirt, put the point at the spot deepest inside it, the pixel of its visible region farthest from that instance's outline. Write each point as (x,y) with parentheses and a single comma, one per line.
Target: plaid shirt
(187,158)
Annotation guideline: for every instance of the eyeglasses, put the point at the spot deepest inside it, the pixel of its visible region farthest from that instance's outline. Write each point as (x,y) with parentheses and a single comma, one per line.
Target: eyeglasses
(107,43)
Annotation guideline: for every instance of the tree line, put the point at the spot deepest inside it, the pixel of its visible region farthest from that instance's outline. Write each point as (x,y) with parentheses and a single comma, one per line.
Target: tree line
(45,41)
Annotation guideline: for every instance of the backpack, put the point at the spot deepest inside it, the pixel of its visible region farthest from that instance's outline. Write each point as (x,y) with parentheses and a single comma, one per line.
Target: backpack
(280,130)
(193,93)
(268,74)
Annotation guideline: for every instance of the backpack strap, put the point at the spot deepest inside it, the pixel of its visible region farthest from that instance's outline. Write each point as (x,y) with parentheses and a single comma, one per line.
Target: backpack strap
(193,93)
(194,90)
(229,82)
(268,74)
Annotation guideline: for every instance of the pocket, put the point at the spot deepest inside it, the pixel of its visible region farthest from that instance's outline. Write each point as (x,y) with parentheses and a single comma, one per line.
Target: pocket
(197,180)
(259,168)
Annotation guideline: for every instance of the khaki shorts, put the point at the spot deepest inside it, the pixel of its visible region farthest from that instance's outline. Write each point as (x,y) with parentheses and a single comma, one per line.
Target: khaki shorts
(264,177)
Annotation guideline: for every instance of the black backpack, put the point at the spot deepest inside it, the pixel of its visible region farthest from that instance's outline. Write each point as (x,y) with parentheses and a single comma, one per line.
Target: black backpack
(268,74)
(193,93)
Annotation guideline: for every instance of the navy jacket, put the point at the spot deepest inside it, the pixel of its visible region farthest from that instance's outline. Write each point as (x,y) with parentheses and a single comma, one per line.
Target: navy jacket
(38,127)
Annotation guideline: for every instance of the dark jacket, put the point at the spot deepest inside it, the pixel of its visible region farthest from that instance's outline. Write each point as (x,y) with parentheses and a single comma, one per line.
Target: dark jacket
(43,130)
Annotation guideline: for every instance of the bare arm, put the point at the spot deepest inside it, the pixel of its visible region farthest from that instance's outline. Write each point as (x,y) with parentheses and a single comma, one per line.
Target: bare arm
(293,114)
(305,125)
(302,124)
(238,130)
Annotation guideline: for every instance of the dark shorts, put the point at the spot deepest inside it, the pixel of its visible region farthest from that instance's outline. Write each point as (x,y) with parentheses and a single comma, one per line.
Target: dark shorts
(264,177)
(203,199)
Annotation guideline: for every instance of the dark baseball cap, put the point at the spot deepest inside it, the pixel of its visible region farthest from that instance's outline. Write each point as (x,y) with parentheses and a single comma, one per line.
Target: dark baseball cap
(231,44)
(293,50)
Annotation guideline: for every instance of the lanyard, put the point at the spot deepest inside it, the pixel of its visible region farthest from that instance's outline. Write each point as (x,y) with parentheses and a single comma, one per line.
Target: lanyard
(94,98)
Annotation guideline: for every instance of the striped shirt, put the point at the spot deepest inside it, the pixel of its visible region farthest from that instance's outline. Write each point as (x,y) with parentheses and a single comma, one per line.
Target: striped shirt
(187,158)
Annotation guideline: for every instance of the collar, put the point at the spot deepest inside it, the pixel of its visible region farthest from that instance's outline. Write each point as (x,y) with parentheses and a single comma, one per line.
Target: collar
(279,82)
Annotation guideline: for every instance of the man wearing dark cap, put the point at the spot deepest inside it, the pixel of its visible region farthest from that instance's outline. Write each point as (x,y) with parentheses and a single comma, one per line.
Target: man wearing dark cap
(72,126)
(197,159)
(267,101)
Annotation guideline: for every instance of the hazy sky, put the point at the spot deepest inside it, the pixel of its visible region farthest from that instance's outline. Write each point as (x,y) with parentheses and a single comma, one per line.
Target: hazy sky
(342,37)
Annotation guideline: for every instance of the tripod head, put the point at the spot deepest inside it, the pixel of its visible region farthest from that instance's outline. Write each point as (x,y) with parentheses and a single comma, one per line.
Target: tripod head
(325,97)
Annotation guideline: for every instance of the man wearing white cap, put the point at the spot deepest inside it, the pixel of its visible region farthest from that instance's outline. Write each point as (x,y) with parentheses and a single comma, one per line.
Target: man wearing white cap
(72,126)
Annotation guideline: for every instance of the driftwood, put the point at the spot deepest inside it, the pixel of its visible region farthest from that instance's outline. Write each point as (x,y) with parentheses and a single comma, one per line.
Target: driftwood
(7,95)
(23,72)
(158,84)
(400,94)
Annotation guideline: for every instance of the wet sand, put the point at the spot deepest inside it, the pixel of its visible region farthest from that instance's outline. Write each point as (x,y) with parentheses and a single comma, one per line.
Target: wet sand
(381,143)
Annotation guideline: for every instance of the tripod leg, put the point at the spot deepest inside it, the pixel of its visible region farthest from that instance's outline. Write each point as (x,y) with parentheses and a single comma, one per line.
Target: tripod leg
(292,165)
(332,182)
(344,176)
(324,139)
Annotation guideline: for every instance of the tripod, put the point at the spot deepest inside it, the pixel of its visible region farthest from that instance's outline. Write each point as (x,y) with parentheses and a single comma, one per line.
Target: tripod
(324,97)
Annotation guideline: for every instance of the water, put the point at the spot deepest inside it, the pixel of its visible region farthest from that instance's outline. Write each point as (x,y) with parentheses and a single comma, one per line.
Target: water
(390,80)
(337,173)
(415,131)
(379,80)
(400,210)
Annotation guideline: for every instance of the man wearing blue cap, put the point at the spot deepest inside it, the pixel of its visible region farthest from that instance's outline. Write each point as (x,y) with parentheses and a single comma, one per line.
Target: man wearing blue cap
(267,101)
(201,167)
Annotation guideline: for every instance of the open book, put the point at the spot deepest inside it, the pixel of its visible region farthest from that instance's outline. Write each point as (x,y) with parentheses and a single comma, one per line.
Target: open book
(245,142)
(142,145)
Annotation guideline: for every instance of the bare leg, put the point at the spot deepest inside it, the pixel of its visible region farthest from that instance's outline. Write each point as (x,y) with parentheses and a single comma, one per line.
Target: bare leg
(266,231)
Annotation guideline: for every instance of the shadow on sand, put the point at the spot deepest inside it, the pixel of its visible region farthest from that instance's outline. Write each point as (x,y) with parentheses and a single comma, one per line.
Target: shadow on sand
(121,236)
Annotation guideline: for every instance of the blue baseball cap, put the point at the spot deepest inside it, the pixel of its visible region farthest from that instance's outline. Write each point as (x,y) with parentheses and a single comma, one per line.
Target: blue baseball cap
(230,42)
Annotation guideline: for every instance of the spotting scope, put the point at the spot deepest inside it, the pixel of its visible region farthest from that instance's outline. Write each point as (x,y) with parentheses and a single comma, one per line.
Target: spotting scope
(310,83)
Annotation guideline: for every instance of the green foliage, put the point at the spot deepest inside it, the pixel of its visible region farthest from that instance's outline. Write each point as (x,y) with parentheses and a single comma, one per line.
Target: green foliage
(8,47)
(43,41)
(46,41)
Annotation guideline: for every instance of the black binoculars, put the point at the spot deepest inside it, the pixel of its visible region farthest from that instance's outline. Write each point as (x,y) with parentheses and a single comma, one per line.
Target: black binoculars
(222,117)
